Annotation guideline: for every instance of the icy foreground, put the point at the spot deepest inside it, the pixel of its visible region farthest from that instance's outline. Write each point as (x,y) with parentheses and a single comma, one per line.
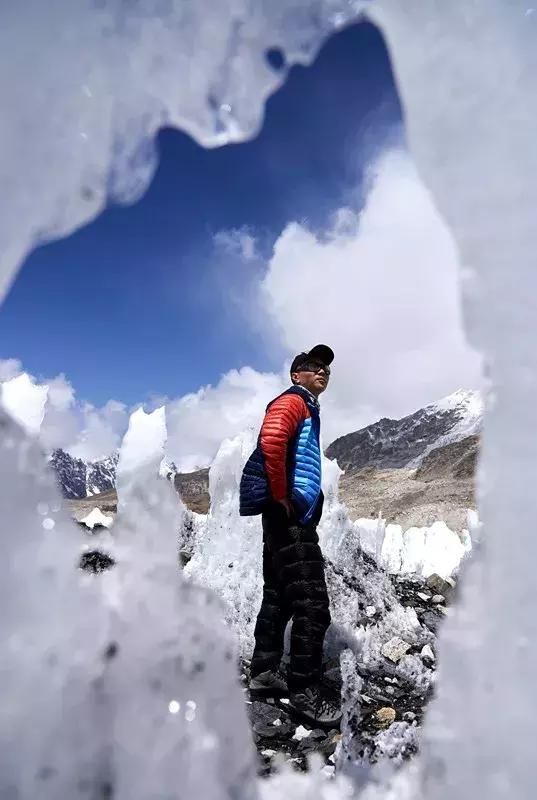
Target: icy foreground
(477,155)
(226,549)
(128,682)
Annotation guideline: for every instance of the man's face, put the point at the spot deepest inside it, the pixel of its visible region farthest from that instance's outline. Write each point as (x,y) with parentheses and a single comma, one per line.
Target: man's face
(312,375)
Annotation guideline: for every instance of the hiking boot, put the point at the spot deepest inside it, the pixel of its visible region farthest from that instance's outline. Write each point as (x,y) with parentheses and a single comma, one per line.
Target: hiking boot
(310,706)
(270,683)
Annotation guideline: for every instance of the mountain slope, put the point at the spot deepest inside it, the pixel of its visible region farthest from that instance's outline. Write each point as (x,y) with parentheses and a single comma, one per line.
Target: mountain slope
(78,478)
(403,443)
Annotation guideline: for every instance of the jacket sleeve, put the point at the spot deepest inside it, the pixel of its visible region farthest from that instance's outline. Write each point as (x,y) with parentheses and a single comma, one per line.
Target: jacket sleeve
(279,427)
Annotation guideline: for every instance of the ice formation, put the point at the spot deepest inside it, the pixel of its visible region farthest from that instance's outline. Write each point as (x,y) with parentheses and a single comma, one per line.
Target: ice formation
(53,733)
(103,78)
(96,517)
(110,75)
(226,552)
(178,717)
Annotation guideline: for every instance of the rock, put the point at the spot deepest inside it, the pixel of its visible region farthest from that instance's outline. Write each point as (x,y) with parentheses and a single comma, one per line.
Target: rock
(395,648)
(431,620)
(443,610)
(366,698)
(370,611)
(327,748)
(409,717)
(313,742)
(427,655)
(385,716)
(423,596)
(437,599)
(268,753)
(269,722)
(443,586)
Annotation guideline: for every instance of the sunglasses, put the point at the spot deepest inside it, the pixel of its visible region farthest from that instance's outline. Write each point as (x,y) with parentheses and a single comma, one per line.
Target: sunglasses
(313,366)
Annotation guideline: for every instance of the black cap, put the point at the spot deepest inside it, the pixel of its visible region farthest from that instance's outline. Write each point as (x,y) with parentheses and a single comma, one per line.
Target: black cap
(321,352)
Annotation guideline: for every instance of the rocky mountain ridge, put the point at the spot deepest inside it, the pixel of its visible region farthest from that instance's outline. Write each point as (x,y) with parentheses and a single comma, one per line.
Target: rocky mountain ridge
(404,443)
(79,479)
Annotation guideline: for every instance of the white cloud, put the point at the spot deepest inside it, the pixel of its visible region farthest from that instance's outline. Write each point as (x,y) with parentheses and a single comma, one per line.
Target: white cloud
(237,241)
(380,287)
(9,368)
(198,422)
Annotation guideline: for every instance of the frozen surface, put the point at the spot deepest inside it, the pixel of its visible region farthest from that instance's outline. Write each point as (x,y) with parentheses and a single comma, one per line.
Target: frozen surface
(96,517)
(424,550)
(179,720)
(53,734)
(25,401)
(228,548)
(467,75)
(89,83)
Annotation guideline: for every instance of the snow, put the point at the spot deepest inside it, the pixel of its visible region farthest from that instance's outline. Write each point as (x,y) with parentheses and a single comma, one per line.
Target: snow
(25,401)
(301,733)
(96,517)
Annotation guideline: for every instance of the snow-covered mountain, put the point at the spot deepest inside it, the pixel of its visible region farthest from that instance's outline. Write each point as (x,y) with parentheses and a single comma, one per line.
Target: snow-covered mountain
(78,478)
(405,442)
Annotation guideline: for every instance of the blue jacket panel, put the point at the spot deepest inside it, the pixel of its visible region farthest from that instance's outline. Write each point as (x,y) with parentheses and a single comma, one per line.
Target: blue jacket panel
(303,468)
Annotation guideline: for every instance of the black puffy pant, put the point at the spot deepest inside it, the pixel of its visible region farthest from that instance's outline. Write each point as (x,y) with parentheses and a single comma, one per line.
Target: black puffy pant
(294,587)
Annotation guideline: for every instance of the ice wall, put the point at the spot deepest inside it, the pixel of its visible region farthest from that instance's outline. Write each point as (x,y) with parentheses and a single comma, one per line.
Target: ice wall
(179,723)
(467,75)
(88,83)
(54,741)
(228,549)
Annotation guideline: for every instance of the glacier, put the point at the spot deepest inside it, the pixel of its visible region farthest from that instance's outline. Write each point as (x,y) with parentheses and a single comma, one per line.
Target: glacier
(466,74)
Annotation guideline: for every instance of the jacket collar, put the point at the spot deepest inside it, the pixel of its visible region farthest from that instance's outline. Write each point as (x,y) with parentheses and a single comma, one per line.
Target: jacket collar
(310,398)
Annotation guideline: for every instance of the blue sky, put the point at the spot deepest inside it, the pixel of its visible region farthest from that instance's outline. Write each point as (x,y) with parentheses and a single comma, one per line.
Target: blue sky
(135,304)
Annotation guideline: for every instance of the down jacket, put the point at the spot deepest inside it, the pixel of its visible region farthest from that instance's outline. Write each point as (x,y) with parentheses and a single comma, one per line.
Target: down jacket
(286,463)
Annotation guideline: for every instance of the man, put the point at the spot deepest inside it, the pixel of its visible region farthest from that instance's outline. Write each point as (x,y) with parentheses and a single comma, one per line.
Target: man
(282,481)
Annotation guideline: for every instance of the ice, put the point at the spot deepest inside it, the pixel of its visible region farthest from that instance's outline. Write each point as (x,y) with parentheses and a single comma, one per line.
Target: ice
(467,75)
(96,517)
(228,547)
(143,445)
(53,737)
(301,733)
(25,401)
(88,84)
(179,721)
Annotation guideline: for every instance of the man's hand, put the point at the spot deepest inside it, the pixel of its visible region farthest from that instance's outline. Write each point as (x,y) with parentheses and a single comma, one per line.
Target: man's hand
(288,508)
